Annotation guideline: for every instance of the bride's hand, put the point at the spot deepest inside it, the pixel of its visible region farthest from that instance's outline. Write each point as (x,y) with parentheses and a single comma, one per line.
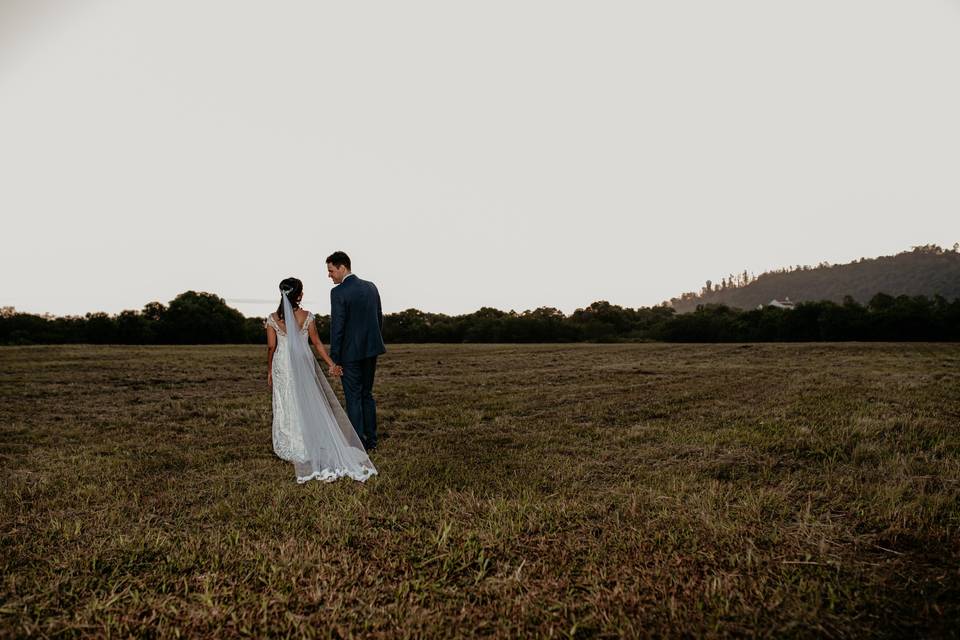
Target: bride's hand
(270,379)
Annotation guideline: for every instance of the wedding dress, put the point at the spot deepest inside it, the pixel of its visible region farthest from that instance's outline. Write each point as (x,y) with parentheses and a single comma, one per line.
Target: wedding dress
(310,428)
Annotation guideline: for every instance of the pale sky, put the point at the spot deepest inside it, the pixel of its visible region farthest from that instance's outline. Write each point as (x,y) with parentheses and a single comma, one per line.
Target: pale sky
(512,154)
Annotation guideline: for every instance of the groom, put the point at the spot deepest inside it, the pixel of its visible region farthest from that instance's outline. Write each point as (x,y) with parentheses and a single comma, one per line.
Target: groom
(356,321)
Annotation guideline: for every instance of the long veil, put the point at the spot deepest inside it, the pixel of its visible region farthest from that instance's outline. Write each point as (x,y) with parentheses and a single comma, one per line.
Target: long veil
(333,449)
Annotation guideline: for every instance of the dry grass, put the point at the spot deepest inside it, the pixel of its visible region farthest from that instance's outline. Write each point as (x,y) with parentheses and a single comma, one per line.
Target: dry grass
(586,490)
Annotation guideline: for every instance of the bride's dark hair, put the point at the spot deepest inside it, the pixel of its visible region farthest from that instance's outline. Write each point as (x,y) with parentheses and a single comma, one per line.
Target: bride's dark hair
(294,289)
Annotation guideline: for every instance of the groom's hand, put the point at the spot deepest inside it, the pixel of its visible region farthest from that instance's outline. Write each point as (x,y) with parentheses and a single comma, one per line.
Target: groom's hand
(336,370)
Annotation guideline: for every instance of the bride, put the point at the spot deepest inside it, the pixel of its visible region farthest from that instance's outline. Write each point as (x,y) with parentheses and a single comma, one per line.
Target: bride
(310,428)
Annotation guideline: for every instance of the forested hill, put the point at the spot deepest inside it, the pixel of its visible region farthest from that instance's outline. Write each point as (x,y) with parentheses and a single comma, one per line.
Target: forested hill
(928,270)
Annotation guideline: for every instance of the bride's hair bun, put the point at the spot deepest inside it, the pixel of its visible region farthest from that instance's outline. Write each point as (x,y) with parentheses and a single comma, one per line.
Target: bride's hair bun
(291,286)
(293,289)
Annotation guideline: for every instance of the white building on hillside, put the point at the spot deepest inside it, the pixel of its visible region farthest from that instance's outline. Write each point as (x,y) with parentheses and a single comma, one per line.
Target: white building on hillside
(786,303)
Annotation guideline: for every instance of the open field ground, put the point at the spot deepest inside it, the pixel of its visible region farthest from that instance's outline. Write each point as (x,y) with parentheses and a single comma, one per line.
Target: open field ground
(583,490)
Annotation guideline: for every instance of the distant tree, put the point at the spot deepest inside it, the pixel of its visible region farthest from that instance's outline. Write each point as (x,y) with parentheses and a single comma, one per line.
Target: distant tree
(411,325)
(254,331)
(881,302)
(323,327)
(133,327)
(100,328)
(153,311)
(201,318)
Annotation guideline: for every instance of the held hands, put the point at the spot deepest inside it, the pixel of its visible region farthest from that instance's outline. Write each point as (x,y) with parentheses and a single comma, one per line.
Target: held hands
(336,370)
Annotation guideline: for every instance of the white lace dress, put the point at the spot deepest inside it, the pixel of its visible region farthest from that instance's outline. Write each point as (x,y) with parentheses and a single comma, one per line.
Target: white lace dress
(310,428)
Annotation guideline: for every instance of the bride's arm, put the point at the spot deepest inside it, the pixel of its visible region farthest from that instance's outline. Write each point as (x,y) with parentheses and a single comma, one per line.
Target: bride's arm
(271,349)
(315,339)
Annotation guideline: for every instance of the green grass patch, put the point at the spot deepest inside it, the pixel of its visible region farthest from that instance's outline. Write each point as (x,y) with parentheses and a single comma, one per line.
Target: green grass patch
(543,490)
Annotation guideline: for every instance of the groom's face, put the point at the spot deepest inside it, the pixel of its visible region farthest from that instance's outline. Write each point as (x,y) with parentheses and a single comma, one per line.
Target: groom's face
(336,273)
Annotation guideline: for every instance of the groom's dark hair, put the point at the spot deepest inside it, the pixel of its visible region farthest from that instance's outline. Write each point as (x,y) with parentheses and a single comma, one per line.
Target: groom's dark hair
(339,259)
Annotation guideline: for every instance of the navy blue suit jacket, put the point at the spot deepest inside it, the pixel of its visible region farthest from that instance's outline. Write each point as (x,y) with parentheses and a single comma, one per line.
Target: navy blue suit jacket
(356,321)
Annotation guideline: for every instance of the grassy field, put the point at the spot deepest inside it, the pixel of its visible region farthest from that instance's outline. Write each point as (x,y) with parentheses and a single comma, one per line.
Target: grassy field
(585,490)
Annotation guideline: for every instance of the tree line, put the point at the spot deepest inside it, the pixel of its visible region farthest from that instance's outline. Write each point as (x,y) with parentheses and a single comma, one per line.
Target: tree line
(204,318)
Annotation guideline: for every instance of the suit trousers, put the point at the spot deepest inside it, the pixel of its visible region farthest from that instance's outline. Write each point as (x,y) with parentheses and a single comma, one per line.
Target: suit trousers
(357,383)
